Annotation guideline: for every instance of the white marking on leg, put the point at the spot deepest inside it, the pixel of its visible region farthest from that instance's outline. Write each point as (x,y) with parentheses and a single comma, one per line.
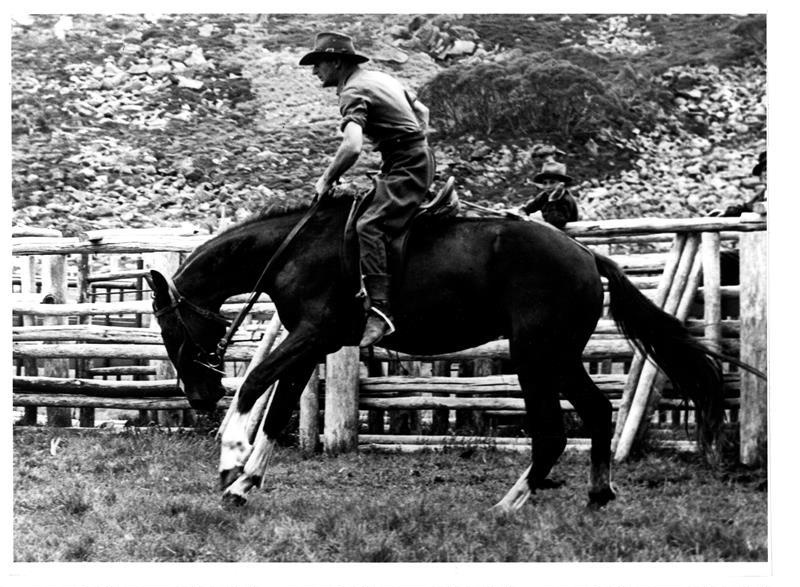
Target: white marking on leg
(262,351)
(229,414)
(257,413)
(256,466)
(235,446)
(240,487)
(516,496)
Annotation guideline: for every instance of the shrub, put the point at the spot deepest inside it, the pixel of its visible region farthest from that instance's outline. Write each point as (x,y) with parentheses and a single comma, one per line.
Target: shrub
(535,95)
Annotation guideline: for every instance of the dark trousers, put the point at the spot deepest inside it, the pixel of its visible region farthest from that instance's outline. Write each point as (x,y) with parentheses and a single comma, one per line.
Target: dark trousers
(400,189)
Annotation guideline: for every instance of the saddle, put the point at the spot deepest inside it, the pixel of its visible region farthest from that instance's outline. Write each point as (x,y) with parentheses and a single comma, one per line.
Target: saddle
(443,204)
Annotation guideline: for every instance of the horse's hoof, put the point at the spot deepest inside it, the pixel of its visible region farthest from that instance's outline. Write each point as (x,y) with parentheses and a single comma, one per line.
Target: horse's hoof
(599,498)
(233,499)
(550,484)
(500,510)
(226,478)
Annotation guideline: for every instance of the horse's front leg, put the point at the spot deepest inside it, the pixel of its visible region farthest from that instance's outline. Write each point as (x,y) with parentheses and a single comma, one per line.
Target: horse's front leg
(241,469)
(239,441)
(237,479)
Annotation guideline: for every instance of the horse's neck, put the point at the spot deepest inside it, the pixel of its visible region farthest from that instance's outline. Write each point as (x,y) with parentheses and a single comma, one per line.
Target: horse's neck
(232,263)
(228,265)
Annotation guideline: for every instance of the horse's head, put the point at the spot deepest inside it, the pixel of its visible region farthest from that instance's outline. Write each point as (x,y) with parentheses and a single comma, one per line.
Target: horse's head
(191,334)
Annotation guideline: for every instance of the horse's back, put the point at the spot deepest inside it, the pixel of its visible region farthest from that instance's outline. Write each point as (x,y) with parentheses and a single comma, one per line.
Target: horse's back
(466,280)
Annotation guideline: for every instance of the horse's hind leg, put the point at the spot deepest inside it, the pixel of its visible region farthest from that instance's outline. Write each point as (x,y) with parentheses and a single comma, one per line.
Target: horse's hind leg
(594,409)
(540,380)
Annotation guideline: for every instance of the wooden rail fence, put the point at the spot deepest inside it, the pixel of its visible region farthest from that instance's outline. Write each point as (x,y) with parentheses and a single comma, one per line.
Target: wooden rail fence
(82,312)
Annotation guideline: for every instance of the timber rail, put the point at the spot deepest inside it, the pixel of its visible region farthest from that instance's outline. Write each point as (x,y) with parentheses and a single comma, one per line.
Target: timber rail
(84,316)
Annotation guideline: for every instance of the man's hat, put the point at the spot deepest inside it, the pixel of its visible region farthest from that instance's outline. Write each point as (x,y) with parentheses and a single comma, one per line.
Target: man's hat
(332,45)
(552,170)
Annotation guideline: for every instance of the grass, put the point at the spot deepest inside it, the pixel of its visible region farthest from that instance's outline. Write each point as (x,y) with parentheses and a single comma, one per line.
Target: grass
(153,496)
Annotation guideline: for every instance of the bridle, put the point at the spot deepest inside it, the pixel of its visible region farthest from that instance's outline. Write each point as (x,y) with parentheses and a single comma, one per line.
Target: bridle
(213,360)
(210,360)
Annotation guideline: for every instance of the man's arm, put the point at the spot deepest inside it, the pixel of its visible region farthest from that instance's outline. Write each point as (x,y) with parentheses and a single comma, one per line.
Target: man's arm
(422,113)
(346,156)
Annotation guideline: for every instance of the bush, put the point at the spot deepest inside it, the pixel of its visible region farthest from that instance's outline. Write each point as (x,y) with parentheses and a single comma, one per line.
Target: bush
(536,95)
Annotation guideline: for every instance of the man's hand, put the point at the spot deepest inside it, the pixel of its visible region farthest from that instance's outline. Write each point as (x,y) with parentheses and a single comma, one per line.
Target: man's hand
(346,156)
(323,187)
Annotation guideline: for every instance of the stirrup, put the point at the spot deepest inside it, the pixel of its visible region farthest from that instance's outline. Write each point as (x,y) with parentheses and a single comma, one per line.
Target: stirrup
(385,318)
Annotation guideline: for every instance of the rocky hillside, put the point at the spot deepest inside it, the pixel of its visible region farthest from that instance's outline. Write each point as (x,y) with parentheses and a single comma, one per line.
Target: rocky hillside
(150,120)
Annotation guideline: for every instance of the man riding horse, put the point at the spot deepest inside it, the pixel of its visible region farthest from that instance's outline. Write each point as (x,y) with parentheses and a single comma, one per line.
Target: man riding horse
(375,105)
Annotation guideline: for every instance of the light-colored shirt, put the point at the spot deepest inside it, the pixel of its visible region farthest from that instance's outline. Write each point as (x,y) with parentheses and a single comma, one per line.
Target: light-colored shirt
(379,104)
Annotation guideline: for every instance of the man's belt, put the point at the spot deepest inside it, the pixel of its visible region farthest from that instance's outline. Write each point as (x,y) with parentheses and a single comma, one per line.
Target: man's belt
(401,142)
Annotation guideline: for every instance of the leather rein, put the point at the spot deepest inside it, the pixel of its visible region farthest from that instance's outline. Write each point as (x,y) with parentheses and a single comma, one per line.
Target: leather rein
(213,360)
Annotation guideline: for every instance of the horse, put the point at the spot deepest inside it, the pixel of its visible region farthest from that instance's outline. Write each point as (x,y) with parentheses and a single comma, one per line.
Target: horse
(463,281)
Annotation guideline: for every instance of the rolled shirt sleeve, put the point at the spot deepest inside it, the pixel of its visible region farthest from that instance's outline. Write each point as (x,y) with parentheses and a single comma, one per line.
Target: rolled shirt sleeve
(353,106)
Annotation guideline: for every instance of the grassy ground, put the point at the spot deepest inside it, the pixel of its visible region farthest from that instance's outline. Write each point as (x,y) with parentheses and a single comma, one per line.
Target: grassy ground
(152,496)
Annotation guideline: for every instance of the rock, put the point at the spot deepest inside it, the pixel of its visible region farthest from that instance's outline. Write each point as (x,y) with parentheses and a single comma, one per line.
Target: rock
(205,30)
(159,70)
(64,25)
(138,68)
(130,49)
(58,208)
(693,169)
(110,83)
(99,211)
(480,151)
(196,58)
(192,84)
(751,182)
(178,53)
(23,19)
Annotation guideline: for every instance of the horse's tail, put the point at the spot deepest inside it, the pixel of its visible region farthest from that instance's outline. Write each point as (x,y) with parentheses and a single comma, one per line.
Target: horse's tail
(690,366)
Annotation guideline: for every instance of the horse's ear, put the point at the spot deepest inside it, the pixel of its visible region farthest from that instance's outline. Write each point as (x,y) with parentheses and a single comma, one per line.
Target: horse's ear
(158,283)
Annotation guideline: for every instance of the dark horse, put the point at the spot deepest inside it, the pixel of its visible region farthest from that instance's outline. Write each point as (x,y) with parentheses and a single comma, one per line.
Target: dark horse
(465,281)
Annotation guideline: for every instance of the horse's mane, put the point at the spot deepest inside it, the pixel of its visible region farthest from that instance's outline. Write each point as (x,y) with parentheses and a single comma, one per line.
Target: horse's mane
(281,208)
(277,208)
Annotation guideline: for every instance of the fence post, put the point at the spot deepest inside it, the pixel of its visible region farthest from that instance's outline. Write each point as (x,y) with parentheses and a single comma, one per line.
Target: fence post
(753,315)
(404,421)
(632,427)
(712,298)
(440,422)
(54,286)
(639,361)
(375,417)
(28,285)
(85,415)
(341,400)
(309,415)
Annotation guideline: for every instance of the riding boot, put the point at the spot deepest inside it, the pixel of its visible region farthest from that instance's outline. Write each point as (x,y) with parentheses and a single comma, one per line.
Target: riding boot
(379,318)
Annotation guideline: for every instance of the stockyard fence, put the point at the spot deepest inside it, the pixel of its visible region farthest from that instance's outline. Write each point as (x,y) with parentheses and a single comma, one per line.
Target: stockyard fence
(84,340)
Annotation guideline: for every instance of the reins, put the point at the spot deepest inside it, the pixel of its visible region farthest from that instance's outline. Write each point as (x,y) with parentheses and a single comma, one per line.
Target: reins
(214,358)
(222,345)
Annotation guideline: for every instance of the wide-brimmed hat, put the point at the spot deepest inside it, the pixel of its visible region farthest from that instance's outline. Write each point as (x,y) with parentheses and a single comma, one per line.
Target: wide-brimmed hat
(552,170)
(328,45)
